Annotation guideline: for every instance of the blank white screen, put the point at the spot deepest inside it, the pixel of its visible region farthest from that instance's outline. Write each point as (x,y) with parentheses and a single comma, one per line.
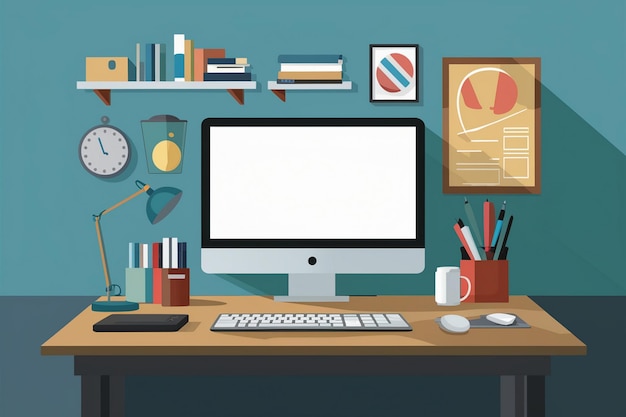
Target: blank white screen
(303,182)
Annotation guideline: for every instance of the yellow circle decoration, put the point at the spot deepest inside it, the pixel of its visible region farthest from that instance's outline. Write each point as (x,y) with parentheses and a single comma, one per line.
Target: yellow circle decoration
(171,134)
(166,155)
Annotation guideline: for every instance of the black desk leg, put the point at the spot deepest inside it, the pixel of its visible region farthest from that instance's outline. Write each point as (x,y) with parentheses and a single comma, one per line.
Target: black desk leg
(102,396)
(522,396)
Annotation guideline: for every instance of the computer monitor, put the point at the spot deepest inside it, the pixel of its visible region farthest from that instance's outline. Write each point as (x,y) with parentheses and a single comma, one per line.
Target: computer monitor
(311,198)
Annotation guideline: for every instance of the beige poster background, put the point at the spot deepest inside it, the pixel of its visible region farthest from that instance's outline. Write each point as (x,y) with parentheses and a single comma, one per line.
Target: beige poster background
(492,125)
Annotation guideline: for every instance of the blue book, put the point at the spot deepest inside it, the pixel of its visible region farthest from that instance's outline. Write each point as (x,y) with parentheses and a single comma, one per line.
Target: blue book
(227,76)
(136,255)
(150,62)
(179,57)
(182,254)
(221,60)
(313,59)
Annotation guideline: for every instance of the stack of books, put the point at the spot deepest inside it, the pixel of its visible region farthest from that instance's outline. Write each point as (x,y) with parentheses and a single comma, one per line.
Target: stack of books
(310,69)
(206,64)
(227,69)
(154,67)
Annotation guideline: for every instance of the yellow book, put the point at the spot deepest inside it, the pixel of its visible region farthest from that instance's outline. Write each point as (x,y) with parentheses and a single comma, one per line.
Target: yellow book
(189,59)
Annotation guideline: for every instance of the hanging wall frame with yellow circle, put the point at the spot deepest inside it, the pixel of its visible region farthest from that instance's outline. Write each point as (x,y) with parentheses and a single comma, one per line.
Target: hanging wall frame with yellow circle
(164,141)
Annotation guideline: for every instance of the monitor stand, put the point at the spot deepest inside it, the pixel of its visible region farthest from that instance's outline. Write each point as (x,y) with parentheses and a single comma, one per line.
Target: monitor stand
(311,288)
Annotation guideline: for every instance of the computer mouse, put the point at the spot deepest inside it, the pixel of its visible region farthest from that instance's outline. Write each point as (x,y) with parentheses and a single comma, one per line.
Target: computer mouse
(502,319)
(453,323)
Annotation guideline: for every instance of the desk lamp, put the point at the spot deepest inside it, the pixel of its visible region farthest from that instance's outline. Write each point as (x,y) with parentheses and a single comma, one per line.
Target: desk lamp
(160,203)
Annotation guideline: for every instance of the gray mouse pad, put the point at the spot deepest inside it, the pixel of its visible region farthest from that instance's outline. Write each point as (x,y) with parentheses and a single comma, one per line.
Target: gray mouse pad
(483,323)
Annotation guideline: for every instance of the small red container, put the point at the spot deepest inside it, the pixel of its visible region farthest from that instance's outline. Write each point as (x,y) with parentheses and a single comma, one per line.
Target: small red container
(490,281)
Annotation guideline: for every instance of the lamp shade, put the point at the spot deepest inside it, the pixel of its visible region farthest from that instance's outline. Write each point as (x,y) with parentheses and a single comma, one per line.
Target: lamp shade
(161,202)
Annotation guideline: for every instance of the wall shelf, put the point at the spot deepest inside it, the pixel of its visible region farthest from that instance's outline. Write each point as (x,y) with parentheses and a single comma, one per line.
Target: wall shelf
(281,89)
(103,88)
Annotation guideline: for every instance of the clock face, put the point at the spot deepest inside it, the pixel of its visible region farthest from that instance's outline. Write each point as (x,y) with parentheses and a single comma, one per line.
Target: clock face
(104,151)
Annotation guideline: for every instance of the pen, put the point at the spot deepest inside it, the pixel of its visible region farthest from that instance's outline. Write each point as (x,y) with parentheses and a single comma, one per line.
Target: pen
(473,250)
(488,220)
(504,250)
(459,233)
(472,220)
(496,233)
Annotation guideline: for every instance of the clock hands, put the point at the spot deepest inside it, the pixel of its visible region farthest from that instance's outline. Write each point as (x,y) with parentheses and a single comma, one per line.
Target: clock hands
(102,147)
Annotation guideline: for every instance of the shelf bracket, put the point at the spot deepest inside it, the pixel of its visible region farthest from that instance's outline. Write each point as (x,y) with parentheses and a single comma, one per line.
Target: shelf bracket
(237,95)
(281,94)
(105,96)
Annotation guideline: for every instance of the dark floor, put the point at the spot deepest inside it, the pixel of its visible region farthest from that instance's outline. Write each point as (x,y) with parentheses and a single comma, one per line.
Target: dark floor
(33,385)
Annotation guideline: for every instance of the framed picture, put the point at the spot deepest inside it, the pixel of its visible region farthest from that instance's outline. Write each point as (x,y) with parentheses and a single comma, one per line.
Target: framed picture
(492,125)
(394,73)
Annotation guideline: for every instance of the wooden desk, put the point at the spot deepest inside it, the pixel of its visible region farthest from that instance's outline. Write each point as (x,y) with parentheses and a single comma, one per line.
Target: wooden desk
(520,357)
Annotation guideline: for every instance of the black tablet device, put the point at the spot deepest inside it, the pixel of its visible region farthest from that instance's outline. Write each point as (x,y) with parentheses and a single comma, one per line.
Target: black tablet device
(141,323)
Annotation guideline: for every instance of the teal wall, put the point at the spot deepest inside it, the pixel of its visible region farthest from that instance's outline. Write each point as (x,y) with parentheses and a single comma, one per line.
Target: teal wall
(566,241)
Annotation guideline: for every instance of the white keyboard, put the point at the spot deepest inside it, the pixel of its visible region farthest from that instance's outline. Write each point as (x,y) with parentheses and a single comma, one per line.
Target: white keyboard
(310,322)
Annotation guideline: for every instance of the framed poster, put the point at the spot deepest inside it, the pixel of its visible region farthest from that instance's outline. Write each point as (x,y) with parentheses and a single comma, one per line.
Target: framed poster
(394,73)
(492,125)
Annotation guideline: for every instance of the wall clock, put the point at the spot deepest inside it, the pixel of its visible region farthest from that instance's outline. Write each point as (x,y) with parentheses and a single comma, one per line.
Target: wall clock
(104,151)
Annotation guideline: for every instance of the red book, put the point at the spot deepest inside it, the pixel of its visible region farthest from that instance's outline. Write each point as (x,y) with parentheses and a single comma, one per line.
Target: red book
(156,272)
(156,255)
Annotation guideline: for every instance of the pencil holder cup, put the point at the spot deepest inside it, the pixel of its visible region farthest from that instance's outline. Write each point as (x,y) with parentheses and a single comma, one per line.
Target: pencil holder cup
(489,281)
(139,285)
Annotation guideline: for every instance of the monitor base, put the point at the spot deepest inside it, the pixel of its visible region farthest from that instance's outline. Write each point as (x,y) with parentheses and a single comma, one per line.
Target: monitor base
(309,288)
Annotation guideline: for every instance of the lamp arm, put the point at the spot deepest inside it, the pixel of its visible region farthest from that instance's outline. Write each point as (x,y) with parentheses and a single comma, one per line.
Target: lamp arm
(105,265)
(143,189)
(96,218)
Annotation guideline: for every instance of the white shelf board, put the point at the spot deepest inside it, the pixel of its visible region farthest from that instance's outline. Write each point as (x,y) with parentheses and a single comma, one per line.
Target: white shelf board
(345,85)
(166,85)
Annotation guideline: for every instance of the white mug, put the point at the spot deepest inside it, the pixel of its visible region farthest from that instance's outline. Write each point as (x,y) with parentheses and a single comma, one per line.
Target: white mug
(448,286)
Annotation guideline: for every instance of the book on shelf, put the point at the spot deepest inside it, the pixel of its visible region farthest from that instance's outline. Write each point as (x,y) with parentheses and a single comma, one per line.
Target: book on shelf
(179,57)
(226,68)
(227,76)
(201,56)
(310,58)
(310,69)
(159,62)
(238,61)
(309,75)
(149,62)
(189,59)
(155,62)
(138,67)
(316,67)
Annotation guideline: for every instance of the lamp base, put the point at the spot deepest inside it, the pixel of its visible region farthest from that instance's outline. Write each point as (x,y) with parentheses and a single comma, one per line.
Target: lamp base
(114,306)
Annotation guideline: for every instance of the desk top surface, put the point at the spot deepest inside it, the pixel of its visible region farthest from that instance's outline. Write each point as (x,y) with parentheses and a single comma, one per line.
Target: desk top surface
(546,337)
